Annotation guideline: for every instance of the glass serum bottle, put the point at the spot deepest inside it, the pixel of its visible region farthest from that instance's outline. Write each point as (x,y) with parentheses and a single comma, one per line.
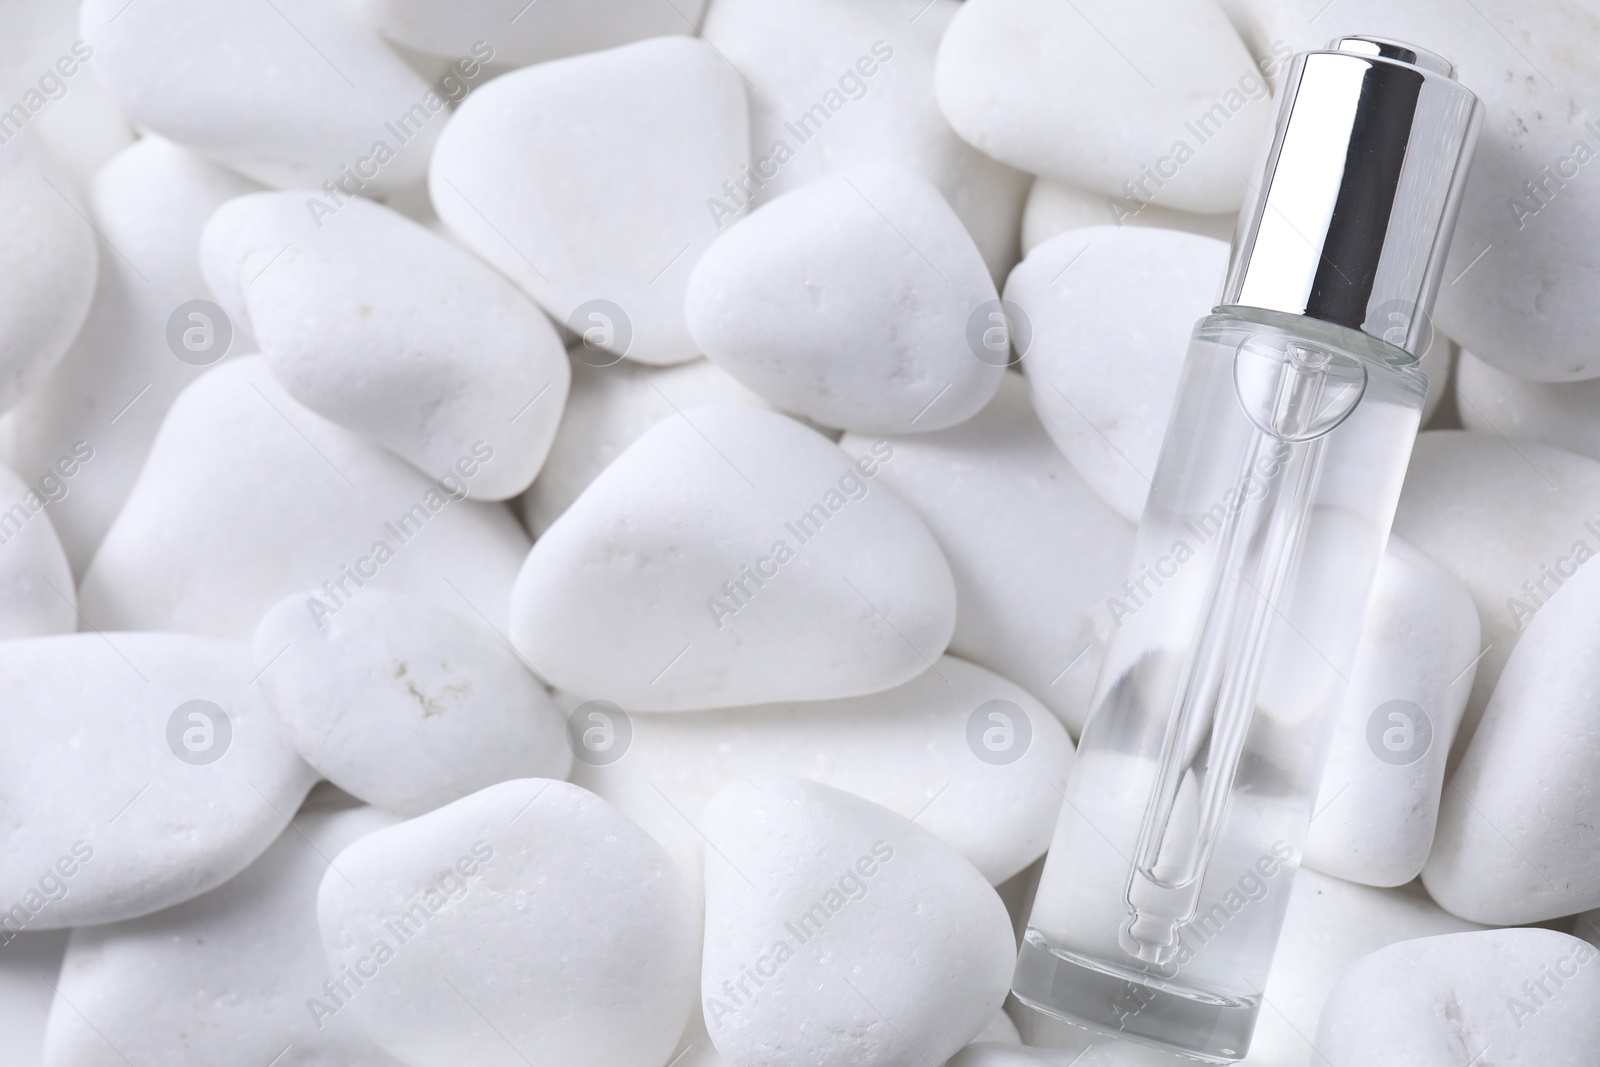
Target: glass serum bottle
(1162,897)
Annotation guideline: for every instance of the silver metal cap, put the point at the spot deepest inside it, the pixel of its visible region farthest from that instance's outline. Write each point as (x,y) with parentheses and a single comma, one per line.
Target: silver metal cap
(1351,220)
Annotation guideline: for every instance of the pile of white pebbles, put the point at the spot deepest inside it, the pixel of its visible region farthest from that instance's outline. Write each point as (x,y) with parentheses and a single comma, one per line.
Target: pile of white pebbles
(523,540)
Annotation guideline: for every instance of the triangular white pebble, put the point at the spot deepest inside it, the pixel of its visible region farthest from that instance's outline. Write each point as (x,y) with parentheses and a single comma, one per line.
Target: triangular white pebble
(248,497)
(586,181)
(166,774)
(403,705)
(838,932)
(527,923)
(392,331)
(733,556)
(848,301)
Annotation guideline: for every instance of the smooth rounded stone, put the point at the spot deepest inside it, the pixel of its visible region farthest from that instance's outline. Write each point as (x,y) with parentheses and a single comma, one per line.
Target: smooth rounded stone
(48,263)
(1104,364)
(1055,207)
(248,497)
(1518,288)
(388,329)
(403,705)
(608,409)
(840,932)
(1563,414)
(142,804)
(930,749)
(528,922)
(227,977)
(733,556)
(1385,768)
(296,94)
(1518,839)
(1505,996)
(29,965)
(839,84)
(114,386)
(1034,551)
(848,301)
(1511,521)
(1180,108)
(37,596)
(586,181)
(521,33)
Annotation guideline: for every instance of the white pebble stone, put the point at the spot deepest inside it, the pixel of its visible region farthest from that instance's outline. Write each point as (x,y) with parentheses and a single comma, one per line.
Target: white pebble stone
(392,331)
(1034,550)
(839,932)
(1563,414)
(1177,100)
(521,33)
(1495,996)
(48,264)
(141,804)
(37,596)
(294,93)
(733,556)
(29,964)
(528,922)
(1517,839)
(848,301)
(587,179)
(609,408)
(919,749)
(225,977)
(1510,521)
(1379,799)
(1436,363)
(1104,363)
(403,705)
(114,385)
(1054,207)
(840,83)
(248,497)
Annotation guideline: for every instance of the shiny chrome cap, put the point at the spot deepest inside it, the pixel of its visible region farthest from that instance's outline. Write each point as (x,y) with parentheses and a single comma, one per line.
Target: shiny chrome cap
(1351,219)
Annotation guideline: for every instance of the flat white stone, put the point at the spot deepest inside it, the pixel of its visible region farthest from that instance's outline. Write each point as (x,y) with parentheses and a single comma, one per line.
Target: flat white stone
(848,301)
(120,802)
(113,387)
(1510,521)
(733,556)
(1034,551)
(929,749)
(839,932)
(248,497)
(37,596)
(403,705)
(1104,364)
(1503,996)
(522,33)
(1517,839)
(1563,414)
(528,922)
(1179,109)
(609,408)
(227,977)
(587,179)
(838,84)
(388,329)
(1054,207)
(293,93)
(1379,800)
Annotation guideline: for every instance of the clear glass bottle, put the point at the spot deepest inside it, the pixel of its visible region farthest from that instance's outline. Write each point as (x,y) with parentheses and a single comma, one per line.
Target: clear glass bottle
(1161,900)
